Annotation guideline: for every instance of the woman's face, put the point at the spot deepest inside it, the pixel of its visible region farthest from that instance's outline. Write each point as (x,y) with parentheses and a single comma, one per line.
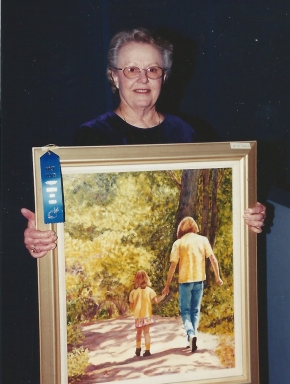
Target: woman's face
(141,92)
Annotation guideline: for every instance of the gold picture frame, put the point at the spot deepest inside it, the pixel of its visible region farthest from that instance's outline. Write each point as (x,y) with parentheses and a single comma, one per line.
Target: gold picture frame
(239,160)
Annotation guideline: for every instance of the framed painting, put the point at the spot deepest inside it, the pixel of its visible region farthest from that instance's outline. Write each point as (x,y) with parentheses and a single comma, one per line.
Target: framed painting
(123,205)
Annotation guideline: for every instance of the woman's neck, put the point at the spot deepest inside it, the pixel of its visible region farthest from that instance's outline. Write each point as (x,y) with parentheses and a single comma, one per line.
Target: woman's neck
(139,118)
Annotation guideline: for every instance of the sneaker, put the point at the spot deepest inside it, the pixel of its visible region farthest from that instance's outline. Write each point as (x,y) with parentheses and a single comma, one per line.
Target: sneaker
(138,352)
(147,353)
(192,340)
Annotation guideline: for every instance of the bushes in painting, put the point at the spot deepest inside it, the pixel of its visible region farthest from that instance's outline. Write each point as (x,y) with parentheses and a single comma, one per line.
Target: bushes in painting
(74,336)
(77,356)
(217,313)
(77,362)
(226,351)
(119,223)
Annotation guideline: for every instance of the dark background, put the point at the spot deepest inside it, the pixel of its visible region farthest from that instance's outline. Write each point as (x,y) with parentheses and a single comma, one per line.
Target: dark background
(230,80)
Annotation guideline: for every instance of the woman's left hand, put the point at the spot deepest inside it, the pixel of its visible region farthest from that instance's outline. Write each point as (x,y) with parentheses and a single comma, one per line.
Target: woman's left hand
(255,217)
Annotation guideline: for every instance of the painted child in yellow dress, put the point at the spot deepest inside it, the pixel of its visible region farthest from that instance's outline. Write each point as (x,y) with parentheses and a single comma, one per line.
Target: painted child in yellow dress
(141,299)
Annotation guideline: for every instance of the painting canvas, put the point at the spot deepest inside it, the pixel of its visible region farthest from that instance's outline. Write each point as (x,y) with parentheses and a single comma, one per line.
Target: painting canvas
(121,217)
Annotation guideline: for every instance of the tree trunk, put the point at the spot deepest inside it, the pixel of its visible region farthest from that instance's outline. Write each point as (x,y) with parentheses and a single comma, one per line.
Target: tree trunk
(205,203)
(205,217)
(214,208)
(188,204)
(188,194)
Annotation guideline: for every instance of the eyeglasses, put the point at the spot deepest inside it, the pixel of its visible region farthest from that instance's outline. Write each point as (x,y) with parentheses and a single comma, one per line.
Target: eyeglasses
(132,72)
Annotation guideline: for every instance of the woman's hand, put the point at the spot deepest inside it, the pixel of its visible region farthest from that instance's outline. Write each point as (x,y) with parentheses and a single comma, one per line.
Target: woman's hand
(37,242)
(255,217)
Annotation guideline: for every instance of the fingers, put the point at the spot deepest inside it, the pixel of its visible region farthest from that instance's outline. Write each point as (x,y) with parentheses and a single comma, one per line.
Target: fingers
(258,208)
(255,226)
(255,229)
(40,250)
(30,216)
(255,217)
(38,242)
(34,236)
(256,220)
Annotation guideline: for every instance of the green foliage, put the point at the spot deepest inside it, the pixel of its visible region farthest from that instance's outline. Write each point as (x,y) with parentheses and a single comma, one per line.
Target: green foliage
(226,351)
(92,189)
(217,312)
(74,336)
(223,246)
(81,305)
(118,223)
(82,232)
(77,362)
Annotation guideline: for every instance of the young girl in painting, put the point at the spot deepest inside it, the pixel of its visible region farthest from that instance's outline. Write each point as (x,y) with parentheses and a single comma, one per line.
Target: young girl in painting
(141,298)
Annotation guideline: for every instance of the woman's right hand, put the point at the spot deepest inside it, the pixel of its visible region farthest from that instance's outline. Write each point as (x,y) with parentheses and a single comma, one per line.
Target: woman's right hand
(37,242)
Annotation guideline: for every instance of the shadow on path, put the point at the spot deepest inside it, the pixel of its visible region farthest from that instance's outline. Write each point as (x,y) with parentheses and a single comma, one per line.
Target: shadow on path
(111,345)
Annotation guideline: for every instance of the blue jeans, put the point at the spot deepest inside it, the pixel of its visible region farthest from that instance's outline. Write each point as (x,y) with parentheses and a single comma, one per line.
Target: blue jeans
(190,295)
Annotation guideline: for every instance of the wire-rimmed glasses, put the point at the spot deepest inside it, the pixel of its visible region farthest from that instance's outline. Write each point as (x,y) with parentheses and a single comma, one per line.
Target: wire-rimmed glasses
(132,72)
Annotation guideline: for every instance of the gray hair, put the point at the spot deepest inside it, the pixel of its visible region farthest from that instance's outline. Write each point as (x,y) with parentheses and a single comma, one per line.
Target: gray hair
(138,36)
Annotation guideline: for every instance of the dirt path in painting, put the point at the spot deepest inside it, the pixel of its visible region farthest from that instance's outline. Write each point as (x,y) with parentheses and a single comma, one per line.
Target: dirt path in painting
(111,345)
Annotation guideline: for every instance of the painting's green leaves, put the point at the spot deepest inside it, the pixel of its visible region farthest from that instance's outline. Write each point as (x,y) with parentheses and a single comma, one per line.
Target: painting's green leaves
(118,223)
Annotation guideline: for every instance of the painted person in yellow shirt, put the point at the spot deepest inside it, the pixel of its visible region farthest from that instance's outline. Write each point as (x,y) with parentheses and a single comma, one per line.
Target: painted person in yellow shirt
(141,299)
(190,250)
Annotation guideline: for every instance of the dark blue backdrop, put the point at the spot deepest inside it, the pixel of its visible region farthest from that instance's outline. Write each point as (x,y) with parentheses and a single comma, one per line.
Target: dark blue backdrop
(278,270)
(230,80)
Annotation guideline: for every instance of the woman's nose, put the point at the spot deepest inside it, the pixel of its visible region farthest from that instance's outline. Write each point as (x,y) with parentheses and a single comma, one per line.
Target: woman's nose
(142,78)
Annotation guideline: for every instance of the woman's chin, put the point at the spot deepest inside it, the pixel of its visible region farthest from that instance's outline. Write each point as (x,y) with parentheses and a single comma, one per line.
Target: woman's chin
(142,102)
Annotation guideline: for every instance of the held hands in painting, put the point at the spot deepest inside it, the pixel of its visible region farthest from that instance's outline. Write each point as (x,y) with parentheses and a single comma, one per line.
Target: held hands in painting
(37,242)
(165,290)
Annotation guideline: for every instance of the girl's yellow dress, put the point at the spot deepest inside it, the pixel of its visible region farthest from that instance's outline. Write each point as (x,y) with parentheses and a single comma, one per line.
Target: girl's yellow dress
(142,305)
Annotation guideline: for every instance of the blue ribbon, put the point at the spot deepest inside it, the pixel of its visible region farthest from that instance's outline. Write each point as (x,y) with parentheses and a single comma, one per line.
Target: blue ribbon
(52,193)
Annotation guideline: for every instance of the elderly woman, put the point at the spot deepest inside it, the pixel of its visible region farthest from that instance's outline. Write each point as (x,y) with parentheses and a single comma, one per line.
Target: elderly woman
(138,64)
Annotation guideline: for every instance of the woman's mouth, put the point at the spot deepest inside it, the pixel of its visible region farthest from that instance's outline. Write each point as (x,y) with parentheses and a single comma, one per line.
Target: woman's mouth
(142,90)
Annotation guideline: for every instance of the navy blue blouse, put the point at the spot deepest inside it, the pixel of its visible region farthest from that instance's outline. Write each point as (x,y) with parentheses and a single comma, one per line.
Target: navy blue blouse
(110,129)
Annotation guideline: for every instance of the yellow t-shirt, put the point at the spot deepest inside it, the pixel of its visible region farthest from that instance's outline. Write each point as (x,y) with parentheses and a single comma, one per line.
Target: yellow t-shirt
(190,251)
(142,302)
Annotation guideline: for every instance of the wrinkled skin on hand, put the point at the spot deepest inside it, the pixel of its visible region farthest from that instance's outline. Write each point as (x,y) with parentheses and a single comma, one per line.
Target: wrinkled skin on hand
(37,242)
(255,217)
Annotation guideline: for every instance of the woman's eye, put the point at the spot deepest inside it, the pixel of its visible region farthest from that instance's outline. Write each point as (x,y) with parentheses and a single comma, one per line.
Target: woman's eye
(152,69)
(133,69)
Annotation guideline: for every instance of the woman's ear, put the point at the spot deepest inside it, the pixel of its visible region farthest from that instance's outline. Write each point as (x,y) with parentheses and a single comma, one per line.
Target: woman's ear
(115,79)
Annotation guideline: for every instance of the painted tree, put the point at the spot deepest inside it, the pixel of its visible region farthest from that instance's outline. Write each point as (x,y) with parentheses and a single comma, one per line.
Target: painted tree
(118,223)
(205,182)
